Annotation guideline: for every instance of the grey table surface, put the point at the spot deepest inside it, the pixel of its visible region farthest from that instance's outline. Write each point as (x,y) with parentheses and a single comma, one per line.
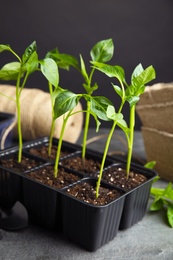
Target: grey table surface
(149,239)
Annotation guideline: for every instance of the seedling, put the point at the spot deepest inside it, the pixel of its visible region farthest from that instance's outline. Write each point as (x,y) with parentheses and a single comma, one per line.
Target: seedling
(101,52)
(163,200)
(64,101)
(128,93)
(17,70)
(95,105)
(50,70)
(64,104)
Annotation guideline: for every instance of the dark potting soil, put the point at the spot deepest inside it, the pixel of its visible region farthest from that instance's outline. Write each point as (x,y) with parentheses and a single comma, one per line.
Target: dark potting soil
(25,164)
(76,163)
(113,175)
(46,175)
(117,176)
(86,192)
(42,152)
(83,191)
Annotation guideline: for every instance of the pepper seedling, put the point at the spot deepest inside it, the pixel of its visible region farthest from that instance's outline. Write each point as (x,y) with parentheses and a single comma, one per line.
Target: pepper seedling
(50,70)
(65,102)
(101,52)
(163,200)
(128,93)
(17,70)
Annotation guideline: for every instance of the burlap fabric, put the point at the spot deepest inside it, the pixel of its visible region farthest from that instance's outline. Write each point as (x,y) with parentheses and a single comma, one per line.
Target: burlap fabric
(36,114)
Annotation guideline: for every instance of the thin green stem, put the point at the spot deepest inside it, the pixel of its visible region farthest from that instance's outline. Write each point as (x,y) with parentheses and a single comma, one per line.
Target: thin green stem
(91,75)
(51,137)
(19,119)
(106,151)
(53,121)
(23,83)
(85,135)
(60,143)
(15,54)
(87,119)
(131,138)
(104,157)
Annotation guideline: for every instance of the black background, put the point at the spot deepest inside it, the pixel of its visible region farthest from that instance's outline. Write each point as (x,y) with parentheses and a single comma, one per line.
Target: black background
(142,31)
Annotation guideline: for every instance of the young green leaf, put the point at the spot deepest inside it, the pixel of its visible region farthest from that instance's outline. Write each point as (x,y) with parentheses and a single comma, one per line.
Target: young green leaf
(10,71)
(137,71)
(143,78)
(94,87)
(150,165)
(68,60)
(118,90)
(163,198)
(64,102)
(31,64)
(170,215)
(4,47)
(50,71)
(168,192)
(118,117)
(99,106)
(83,71)
(28,52)
(64,61)
(111,114)
(157,204)
(96,120)
(156,191)
(111,71)
(102,51)
(133,100)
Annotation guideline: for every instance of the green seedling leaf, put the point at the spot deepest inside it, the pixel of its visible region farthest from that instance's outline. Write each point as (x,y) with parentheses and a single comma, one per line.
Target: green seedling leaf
(102,51)
(170,215)
(111,114)
(96,120)
(50,71)
(118,90)
(99,106)
(94,87)
(68,60)
(111,71)
(118,117)
(55,93)
(133,100)
(10,71)
(163,198)
(28,52)
(64,102)
(143,78)
(32,63)
(64,61)
(150,165)
(139,78)
(157,204)
(157,191)
(90,89)
(137,71)
(4,47)
(168,192)
(84,73)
